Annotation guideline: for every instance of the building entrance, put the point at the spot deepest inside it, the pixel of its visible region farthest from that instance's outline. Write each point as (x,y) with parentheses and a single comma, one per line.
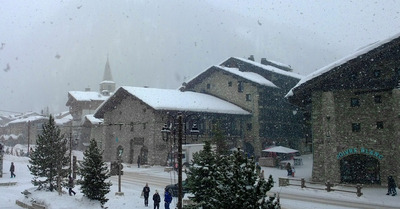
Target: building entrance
(359,168)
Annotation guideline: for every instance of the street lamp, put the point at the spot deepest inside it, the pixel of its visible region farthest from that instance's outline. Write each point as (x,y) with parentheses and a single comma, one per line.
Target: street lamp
(166,133)
(120,150)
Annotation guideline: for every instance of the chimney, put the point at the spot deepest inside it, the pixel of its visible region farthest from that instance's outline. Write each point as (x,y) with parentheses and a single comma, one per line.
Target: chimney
(87,89)
(264,61)
(251,58)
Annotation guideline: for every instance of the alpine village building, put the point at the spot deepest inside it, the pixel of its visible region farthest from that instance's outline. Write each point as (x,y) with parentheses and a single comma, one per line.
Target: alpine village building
(355,115)
(246,98)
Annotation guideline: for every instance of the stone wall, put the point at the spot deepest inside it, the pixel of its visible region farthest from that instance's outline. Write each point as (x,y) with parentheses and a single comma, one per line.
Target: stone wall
(333,117)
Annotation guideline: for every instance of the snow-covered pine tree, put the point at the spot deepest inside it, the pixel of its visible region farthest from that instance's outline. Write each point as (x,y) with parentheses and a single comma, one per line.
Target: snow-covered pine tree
(201,179)
(94,173)
(228,181)
(49,159)
(243,187)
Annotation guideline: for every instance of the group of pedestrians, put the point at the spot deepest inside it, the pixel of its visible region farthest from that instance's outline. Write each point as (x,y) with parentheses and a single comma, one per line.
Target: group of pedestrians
(156,197)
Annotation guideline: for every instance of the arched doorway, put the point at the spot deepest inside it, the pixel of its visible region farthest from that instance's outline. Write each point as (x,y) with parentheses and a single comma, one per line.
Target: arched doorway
(360,168)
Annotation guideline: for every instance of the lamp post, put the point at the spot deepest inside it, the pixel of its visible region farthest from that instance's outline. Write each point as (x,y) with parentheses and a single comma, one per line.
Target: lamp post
(166,132)
(120,151)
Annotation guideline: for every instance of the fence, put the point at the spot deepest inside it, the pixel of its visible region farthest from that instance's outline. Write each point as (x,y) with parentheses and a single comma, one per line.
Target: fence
(328,184)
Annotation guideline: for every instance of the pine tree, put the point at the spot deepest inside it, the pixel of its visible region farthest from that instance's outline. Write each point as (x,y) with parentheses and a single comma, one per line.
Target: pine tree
(49,159)
(243,187)
(228,181)
(202,177)
(94,173)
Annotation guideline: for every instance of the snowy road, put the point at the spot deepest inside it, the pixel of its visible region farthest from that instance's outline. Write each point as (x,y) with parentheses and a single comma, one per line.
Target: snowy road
(288,201)
(295,201)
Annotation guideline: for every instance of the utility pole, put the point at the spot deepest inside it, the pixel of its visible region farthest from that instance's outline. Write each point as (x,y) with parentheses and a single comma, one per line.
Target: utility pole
(180,134)
(29,136)
(70,152)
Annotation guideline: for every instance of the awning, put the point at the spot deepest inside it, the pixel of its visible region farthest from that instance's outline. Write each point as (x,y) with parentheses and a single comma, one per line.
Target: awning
(280,149)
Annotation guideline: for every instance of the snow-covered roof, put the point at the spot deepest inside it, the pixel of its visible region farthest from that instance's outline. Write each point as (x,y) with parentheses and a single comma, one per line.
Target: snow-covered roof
(254,77)
(87,96)
(271,68)
(175,100)
(93,120)
(11,136)
(339,62)
(280,64)
(63,120)
(168,99)
(25,120)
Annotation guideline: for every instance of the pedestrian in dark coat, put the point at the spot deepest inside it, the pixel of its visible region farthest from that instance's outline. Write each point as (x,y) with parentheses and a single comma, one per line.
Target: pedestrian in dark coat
(71,185)
(138,161)
(289,169)
(146,192)
(12,170)
(157,200)
(391,186)
(167,199)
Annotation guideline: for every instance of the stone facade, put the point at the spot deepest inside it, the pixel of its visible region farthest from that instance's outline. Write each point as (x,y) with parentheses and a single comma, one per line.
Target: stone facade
(136,126)
(355,111)
(273,120)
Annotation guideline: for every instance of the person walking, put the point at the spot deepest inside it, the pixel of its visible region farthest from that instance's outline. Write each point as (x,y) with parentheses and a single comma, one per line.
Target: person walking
(167,199)
(289,169)
(157,200)
(146,192)
(70,185)
(12,170)
(391,186)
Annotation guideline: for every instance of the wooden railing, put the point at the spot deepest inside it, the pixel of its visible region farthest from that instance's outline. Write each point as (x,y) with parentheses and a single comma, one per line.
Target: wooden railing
(328,185)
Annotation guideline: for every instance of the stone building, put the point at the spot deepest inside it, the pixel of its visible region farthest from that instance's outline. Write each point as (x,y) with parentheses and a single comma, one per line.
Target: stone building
(355,111)
(259,89)
(133,118)
(82,103)
(23,130)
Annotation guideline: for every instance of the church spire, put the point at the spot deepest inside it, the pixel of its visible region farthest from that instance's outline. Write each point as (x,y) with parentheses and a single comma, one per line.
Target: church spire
(107,86)
(107,72)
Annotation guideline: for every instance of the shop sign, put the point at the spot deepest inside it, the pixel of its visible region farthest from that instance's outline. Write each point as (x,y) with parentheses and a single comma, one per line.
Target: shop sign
(361,150)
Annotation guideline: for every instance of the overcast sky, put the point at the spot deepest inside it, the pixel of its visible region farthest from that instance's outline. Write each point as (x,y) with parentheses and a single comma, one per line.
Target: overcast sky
(50,47)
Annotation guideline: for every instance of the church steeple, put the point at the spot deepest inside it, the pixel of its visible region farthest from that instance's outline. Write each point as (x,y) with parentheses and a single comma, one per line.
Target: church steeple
(107,72)
(107,86)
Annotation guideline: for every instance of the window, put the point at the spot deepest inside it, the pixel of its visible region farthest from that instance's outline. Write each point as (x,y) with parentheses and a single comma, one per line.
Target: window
(248,97)
(353,76)
(355,127)
(208,86)
(249,126)
(230,83)
(240,86)
(378,98)
(377,73)
(355,102)
(379,125)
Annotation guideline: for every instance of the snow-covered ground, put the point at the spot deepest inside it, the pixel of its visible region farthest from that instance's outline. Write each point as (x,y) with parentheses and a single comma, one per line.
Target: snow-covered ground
(132,199)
